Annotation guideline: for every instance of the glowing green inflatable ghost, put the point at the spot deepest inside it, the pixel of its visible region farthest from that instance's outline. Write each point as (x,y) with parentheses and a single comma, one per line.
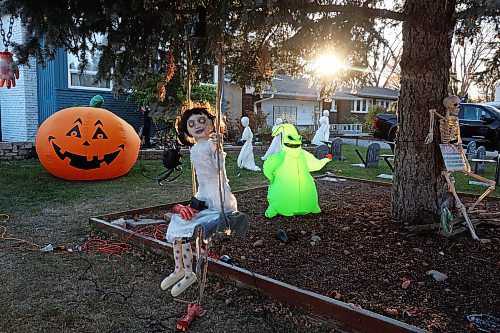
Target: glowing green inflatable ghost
(292,190)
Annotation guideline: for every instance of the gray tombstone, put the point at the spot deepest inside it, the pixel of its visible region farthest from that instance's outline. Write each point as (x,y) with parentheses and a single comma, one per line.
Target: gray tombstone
(336,149)
(321,151)
(373,155)
(470,153)
(480,154)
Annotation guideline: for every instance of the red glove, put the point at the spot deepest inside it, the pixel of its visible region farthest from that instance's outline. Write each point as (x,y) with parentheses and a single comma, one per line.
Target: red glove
(186,212)
(9,71)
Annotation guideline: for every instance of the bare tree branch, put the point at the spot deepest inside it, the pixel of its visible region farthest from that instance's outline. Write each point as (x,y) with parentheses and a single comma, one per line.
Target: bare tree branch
(469,58)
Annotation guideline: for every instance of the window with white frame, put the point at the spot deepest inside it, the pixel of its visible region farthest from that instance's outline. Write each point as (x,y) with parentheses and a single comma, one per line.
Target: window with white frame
(86,80)
(333,108)
(361,105)
(287,113)
(383,103)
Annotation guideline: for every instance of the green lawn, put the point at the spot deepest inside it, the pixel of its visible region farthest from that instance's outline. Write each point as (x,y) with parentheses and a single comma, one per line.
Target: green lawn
(26,185)
(59,293)
(462,181)
(69,293)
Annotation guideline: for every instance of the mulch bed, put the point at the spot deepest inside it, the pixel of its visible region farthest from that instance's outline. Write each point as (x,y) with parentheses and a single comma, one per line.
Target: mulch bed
(367,259)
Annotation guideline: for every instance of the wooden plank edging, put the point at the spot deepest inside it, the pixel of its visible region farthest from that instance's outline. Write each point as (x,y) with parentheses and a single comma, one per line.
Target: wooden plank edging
(353,318)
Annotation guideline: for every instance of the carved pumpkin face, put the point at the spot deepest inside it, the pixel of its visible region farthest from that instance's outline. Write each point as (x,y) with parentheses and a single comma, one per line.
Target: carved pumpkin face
(84,143)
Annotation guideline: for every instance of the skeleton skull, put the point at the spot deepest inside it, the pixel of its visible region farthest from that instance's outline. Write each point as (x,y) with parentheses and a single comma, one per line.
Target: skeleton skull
(452,103)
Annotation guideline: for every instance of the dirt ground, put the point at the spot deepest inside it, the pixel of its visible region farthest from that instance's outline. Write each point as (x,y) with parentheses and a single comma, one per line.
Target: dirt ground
(366,259)
(87,292)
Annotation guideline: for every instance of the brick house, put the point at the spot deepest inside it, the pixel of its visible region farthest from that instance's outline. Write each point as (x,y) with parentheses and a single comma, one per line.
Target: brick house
(293,99)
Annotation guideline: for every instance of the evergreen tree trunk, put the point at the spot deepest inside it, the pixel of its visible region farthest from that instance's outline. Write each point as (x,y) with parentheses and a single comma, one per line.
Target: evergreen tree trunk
(418,185)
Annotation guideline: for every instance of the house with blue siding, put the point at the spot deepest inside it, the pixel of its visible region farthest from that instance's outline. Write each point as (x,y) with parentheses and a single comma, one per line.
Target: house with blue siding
(42,91)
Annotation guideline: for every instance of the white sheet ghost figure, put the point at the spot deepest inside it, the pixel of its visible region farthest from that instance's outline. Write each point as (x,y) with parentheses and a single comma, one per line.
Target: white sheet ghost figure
(323,132)
(246,158)
(275,145)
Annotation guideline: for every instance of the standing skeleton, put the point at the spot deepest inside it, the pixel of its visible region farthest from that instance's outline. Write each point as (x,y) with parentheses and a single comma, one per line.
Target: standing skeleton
(449,128)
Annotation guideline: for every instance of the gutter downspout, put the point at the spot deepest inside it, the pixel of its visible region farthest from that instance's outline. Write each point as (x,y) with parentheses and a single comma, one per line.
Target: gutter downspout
(260,101)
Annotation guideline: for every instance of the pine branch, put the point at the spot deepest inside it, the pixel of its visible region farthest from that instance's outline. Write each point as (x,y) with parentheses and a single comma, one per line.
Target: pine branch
(489,8)
(356,10)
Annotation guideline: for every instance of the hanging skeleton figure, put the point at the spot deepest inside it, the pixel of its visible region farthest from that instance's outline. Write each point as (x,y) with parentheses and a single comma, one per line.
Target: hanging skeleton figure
(449,127)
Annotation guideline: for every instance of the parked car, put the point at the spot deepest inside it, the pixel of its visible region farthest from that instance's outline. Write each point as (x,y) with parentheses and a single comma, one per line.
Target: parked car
(494,104)
(478,122)
(385,126)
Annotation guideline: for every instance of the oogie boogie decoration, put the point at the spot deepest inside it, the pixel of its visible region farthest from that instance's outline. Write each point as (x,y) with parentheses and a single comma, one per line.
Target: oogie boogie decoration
(292,190)
(85,143)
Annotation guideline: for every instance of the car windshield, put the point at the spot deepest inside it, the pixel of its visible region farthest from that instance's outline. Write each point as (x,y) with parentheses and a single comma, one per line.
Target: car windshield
(493,109)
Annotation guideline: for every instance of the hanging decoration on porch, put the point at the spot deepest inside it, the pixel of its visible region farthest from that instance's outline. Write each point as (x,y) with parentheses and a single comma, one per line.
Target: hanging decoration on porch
(85,143)
(9,72)
(455,161)
(292,190)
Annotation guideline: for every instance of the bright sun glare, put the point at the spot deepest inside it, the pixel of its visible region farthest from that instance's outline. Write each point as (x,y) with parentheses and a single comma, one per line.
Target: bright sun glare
(327,64)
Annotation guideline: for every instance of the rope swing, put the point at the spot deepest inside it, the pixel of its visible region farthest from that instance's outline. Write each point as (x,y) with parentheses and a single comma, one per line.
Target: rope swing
(195,309)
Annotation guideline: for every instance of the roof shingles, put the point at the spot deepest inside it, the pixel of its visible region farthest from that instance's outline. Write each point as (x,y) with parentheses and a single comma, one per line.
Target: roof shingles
(300,87)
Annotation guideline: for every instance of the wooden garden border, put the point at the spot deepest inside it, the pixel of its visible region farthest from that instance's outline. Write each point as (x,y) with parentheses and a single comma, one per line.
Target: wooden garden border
(349,317)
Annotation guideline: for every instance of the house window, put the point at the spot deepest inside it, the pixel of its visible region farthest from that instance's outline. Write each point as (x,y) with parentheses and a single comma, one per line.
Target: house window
(316,115)
(383,103)
(361,105)
(334,106)
(86,80)
(287,113)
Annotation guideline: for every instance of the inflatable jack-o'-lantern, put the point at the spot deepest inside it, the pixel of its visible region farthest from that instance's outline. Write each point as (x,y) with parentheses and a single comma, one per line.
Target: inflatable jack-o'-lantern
(85,143)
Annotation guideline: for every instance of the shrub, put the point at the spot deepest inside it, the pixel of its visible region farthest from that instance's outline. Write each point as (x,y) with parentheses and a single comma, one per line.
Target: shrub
(307,134)
(203,92)
(233,128)
(265,133)
(351,120)
(257,120)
